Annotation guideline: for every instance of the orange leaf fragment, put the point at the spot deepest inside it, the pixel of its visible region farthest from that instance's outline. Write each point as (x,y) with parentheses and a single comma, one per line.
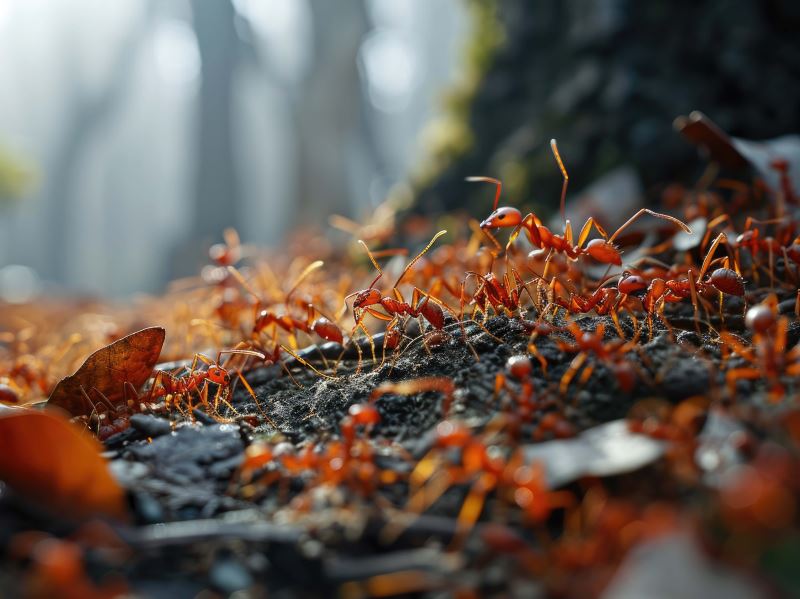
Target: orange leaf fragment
(65,473)
(127,360)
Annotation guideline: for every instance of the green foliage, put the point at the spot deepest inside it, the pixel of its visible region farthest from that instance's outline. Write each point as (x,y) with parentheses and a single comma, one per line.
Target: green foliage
(451,135)
(16,176)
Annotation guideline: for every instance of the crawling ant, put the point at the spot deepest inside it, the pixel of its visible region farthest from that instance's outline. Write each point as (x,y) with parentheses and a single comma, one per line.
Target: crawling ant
(315,322)
(657,288)
(612,354)
(768,357)
(395,307)
(173,387)
(461,457)
(500,295)
(602,249)
(107,419)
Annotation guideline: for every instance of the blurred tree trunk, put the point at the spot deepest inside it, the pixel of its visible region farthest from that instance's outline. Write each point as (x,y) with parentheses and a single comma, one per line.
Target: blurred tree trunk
(330,116)
(90,111)
(216,190)
(607,78)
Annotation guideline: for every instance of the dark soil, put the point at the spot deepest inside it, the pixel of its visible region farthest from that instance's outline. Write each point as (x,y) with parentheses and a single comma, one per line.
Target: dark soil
(196,529)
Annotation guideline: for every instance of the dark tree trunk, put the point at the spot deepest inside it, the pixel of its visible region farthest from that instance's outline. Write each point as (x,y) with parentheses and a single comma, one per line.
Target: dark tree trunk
(607,78)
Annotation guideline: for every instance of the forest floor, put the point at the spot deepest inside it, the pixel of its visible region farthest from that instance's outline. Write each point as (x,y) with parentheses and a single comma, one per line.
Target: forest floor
(201,524)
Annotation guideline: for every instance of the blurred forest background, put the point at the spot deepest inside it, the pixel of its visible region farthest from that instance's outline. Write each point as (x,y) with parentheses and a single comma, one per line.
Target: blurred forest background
(133,132)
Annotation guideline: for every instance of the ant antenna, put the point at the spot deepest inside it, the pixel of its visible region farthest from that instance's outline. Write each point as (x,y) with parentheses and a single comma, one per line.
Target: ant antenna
(496,182)
(554,147)
(418,256)
(306,271)
(374,263)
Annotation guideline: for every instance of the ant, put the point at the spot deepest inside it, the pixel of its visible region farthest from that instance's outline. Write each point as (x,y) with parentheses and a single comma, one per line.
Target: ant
(323,326)
(501,296)
(612,353)
(172,387)
(603,250)
(659,290)
(396,306)
(461,457)
(768,357)
(106,418)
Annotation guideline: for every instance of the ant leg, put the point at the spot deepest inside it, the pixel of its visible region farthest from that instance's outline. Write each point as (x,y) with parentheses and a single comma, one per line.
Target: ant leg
(471,508)
(693,292)
(740,373)
(587,228)
(255,399)
(737,346)
(565,176)
(306,363)
(574,367)
(93,412)
(585,375)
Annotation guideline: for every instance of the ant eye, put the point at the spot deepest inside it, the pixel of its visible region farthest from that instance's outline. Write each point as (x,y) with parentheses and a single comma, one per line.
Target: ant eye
(501,217)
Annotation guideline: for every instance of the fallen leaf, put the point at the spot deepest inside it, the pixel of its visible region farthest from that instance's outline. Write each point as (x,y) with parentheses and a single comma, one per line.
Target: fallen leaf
(650,571)
(737,153)
(605,450)
(66,474)
(128,360)
(702,131)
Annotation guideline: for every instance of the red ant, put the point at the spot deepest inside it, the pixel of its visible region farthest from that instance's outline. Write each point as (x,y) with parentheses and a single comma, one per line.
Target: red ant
(722,280)
(324,327)
(108,419)
(501,296)
(768,357)
(612,353)
(602,250)
(173,387)
(395,307)
(478,464)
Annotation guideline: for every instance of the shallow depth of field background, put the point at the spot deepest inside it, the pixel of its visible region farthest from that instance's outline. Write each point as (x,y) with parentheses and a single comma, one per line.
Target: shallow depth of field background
(132,132)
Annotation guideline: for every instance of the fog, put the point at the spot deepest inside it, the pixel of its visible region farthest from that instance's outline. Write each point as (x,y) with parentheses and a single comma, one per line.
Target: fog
(139,129)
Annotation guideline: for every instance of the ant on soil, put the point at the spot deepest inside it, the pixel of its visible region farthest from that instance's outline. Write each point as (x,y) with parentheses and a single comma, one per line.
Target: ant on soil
(601,249)
(767,357)
(659,290)
(174,388)
(612,354)
(315,322)
(422,305)
(461,457)
(107,419)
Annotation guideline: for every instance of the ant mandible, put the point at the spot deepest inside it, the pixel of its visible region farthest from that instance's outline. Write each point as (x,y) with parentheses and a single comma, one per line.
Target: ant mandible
(603,249)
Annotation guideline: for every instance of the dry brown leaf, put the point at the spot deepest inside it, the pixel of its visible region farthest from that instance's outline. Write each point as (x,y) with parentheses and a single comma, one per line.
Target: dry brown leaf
(65,474)
(128,360)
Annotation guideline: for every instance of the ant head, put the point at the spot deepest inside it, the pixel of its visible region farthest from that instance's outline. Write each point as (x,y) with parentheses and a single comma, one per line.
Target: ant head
(368,297)
(219,375)
(503,217)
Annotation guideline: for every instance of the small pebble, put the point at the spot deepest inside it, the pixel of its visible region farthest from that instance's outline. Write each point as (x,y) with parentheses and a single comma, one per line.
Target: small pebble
(228,575)
(151,426)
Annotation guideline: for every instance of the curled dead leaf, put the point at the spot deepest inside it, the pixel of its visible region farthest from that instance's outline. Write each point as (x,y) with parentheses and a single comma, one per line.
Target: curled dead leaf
(65,474)
(128,360)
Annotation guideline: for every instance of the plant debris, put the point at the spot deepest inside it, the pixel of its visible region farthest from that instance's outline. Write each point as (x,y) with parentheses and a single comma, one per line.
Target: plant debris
(555,413)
